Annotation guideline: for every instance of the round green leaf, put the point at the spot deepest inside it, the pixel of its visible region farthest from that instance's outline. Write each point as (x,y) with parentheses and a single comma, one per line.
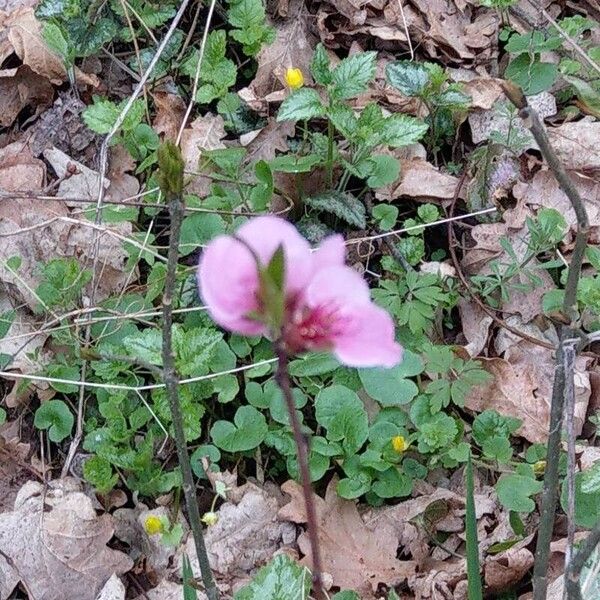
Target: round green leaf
(587,506)
(55,416)
(247,431)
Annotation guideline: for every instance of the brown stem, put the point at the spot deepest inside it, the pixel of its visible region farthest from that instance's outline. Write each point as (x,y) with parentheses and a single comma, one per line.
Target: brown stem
(569,309)
(283,380)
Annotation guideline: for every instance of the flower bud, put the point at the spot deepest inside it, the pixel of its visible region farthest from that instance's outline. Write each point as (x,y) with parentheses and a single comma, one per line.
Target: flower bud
(153,525)
(399,444)
(210,518)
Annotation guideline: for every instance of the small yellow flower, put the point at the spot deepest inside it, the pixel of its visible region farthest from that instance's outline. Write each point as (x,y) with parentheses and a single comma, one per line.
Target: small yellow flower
(294,78)
(539,468)
(210,518)
(399,444)
(153,525)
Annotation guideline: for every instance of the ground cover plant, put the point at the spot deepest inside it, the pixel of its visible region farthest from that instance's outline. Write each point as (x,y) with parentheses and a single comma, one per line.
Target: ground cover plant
(299,300)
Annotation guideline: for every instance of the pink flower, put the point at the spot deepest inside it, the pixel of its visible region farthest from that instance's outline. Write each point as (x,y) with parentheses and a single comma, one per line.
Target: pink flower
(327,304)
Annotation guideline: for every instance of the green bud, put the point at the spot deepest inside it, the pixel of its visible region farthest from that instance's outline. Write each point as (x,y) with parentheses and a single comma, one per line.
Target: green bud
(170,169)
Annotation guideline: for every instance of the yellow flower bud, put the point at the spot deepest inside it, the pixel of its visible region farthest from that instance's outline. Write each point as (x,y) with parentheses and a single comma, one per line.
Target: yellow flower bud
(399,444)
(153,525)
(294,78)
(210,518)
(539,468)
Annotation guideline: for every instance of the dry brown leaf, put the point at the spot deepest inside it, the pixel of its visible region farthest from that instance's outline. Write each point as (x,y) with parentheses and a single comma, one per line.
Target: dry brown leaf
(170,111)
(112,590)
(576,144)
(270,139)
(246,535)
(167,590)
(475,326)
(293,47)
(21,87)
(419,179)
(504,570)
(544,191)
(512,392)
(122,184)
(61,553)
(204,133)
(25,35)
(356,557)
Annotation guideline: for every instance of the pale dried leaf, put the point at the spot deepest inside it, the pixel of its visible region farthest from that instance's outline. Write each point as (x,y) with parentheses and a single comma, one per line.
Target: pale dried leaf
(246,535)
(576,144)
(61,553)
(168,590)
(270,139)
(503,571)
(475,326)
(355,556)
(419,179)
(204,133)
(112,590)
(293,47)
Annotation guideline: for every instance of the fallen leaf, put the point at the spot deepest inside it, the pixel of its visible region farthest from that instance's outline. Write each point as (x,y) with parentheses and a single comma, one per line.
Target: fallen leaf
(170,111)
(246,535)
(356,557)
(475,326)
(293,47)
(25,35)
(484,122)
(503,571)
(204,133)
(112,590)
(21,87)
(61,553)
(270,139)
(543,190)
(168,590)
(576,144)
(421,180)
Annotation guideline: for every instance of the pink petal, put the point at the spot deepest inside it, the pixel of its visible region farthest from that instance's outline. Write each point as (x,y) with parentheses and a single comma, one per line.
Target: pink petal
(331,253)
(340,284)
(369,341)
(265,234)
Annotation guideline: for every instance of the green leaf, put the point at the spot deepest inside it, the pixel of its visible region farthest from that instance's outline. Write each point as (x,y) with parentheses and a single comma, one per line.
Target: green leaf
(409,77)
(342,413)
(6,321)
(247,431)
(281,579)
(315,363)
(497,448)
(437,432)
(320,66)
(402,130)
(187,575)
(353,487)
(532,77)
(515,491)
(55,416)
(392,484)
(385,215)
(304,103)
(63,371)
(198,229)
(194,349)
(99,472)
(54,37)
(145,345)
(346,595)
(587,505)
(473,567)
(590,479)
(490,424)
(351,77)
(341,204)
(2,416)
(383,170)
(205,451)
(290,163)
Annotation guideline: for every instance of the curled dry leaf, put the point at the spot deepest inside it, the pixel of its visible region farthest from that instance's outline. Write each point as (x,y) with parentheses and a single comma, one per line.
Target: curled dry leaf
(504,570)
(419,179)
(293,47)
(60,553)
(21,87)
(170,111)
(475,326)
(356,556)
(204,133)
(246,535)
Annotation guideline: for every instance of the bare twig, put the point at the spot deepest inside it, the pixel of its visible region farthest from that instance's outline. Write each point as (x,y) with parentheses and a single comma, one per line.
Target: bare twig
(171,173)
(570,316)
(283,380)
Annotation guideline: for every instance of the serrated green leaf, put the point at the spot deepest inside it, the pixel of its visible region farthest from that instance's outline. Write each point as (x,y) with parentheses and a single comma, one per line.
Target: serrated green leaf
(320,66)
(351,77)
(281,579)
(304,103)
(385,214)
(145,345)
(409,77)
(402,130)
(341,204)
(590,479)
(532,76)
(383,170)
(55,416)
(99,472)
